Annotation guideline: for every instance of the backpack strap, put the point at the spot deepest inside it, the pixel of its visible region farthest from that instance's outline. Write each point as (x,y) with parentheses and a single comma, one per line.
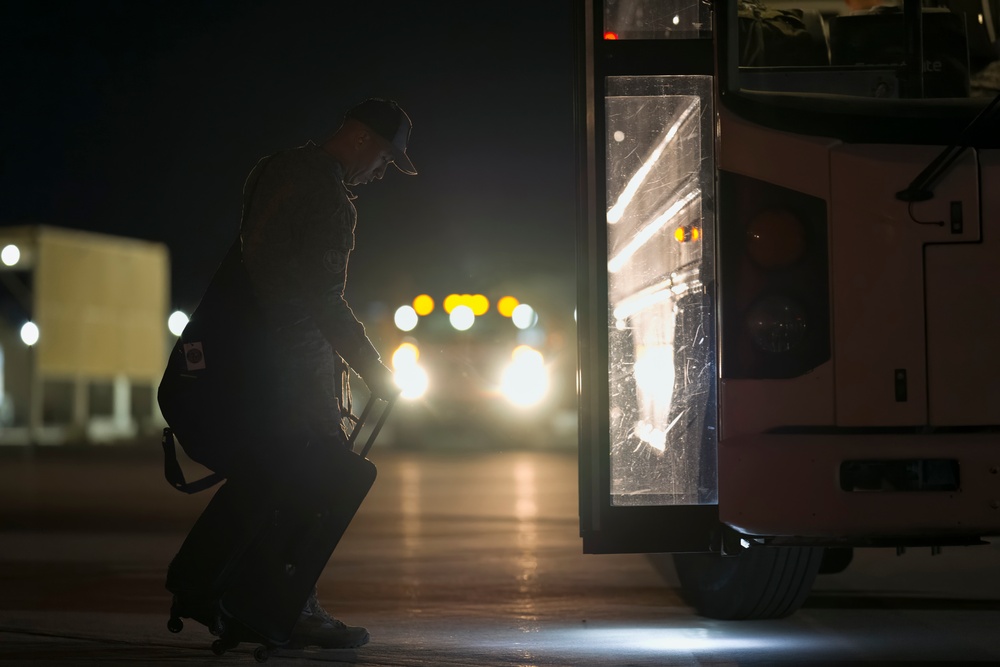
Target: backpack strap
(172,469)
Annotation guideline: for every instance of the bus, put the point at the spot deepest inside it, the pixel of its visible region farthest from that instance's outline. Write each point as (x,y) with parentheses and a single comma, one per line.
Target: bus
(789,233)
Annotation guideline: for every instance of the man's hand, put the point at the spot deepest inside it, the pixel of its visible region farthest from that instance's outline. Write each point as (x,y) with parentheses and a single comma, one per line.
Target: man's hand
(380,381)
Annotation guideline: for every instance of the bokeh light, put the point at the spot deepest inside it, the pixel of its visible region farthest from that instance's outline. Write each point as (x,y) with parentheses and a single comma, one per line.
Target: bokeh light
(10,255)
(450,302)
(524,316)
(525,381)
(506,305)
(479,304)
(29,333)
(406,354)
(411,379)
(424,305)
(176,322)
(406,318)
(462,317)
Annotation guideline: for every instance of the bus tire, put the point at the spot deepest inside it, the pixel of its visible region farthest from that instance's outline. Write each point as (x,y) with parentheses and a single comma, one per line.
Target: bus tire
(759,583)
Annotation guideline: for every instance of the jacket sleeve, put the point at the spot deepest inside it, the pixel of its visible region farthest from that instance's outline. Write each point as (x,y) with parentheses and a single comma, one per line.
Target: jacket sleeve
(325,242)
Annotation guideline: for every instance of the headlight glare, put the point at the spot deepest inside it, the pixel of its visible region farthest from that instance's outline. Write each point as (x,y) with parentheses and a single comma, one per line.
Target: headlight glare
(410,377)
(525,381)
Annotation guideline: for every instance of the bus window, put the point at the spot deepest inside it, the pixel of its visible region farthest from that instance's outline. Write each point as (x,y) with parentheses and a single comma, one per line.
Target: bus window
(867,48)
(656,19)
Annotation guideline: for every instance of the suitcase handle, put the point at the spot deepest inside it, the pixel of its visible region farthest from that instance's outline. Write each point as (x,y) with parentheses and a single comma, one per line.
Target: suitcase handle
(356,431)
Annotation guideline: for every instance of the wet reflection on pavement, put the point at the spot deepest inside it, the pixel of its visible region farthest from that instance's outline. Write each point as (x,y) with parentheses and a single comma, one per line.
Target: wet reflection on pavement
(456,558)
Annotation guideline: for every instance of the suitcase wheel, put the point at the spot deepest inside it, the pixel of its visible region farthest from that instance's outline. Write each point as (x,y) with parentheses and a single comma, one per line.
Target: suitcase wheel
(220,646)
(261,654)
(175,624)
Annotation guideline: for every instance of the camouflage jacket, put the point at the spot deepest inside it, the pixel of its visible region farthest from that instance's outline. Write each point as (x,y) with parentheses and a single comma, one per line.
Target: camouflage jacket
(297,235)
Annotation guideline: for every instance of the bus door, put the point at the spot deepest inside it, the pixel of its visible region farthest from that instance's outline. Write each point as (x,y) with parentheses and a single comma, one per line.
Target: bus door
(648,368)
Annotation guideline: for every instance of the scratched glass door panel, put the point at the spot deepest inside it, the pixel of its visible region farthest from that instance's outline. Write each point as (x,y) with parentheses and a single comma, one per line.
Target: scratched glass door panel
(660,279)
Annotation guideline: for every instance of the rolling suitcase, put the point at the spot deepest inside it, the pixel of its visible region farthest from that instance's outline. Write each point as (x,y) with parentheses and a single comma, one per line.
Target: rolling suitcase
(266,562)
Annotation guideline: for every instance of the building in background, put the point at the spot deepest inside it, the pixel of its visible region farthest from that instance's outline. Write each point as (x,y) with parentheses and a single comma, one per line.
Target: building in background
(83,335)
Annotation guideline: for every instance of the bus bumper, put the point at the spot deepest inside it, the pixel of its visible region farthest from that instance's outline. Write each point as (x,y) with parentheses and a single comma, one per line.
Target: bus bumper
(861,488)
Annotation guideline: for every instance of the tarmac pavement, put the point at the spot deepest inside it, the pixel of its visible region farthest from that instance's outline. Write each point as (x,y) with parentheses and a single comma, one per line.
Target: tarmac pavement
(454,559)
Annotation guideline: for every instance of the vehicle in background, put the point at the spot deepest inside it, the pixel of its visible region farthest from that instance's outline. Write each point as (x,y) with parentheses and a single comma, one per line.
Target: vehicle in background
(477,373)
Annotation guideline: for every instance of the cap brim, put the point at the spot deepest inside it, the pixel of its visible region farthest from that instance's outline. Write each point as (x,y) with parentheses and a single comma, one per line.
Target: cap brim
(402,162)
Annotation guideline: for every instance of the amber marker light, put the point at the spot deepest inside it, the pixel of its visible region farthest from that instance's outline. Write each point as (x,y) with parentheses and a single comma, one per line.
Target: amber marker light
(479,304)
(423,304)
(506,305)
(685,234)
(450,302)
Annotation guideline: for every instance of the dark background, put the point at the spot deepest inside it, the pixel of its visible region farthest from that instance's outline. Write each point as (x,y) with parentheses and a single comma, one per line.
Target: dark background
(143,118)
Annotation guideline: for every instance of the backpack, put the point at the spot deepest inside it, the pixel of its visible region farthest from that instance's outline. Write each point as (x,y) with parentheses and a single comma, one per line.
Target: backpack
(216,378)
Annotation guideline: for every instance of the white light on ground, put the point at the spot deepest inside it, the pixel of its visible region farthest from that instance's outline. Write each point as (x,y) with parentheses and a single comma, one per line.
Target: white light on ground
(10,255)
(29,333)
(462,317)
(587,644)
(176,322)
(406,318)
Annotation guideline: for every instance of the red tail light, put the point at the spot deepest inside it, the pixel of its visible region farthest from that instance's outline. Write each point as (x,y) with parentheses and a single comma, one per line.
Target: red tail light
(775,295)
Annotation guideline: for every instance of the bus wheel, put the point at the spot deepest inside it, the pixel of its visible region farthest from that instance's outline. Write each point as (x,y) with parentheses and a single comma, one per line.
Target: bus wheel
(759,583)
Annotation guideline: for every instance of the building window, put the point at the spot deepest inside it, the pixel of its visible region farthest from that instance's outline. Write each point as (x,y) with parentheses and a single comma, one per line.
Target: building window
(101,398)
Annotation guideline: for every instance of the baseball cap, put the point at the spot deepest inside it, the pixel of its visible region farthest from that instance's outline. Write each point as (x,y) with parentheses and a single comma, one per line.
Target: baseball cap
(389,122)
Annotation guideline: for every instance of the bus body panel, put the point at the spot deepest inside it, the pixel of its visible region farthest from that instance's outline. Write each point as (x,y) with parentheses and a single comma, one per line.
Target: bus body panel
(776,482)
(793,161)
(790,485)
(756,406)
(877,273)
(963,327)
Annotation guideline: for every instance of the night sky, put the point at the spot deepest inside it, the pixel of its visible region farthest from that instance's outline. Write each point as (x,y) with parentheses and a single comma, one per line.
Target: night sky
(142,118)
